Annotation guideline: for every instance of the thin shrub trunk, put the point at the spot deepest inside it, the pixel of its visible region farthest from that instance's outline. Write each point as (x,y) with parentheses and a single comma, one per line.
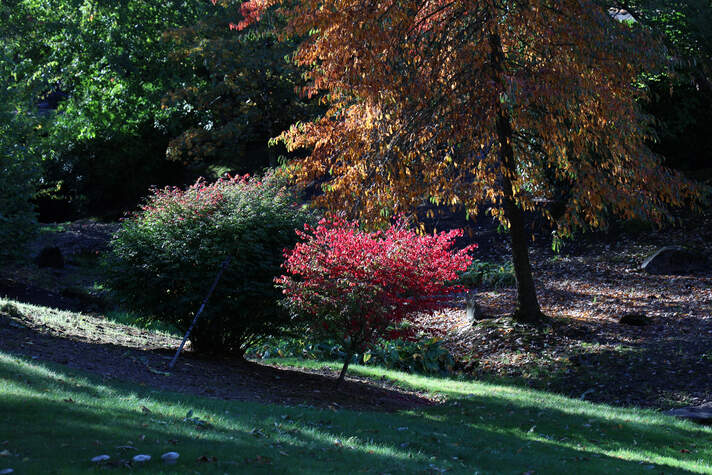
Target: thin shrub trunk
(342,375)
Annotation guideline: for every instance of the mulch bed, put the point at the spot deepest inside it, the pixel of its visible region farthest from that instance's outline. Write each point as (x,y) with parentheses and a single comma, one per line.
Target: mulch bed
(585,351)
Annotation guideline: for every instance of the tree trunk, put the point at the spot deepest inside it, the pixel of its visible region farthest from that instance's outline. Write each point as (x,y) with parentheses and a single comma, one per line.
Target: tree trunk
(528,309)
(347,361)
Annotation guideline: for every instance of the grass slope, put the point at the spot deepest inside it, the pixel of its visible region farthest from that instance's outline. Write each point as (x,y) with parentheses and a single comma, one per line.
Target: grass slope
(53,420)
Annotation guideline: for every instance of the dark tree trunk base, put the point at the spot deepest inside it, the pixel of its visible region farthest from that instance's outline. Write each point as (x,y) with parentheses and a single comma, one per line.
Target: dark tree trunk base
(536,317)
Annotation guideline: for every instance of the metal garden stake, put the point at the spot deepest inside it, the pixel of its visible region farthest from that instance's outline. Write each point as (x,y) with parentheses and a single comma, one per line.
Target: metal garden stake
(200,310)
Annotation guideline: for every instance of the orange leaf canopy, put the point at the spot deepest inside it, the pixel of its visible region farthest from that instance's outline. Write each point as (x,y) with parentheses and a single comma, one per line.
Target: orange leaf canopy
(414,98)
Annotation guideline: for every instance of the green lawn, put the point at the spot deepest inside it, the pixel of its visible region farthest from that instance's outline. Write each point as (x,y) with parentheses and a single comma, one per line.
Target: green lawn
(53,420)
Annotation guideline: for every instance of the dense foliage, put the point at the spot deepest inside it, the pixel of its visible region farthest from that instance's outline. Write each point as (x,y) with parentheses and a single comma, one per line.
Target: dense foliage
(19,169)
(355,287)
(18,180)
(164,259)
(123,85)
(687,29)
(681,102)
(241,95)
(97,72)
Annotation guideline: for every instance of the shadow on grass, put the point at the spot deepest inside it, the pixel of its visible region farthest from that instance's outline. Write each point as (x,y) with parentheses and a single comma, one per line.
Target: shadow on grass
(225,378)
(55,417)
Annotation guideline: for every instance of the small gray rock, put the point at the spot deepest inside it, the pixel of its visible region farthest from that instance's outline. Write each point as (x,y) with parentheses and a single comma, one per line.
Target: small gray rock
(675,260)
(7,471)
(100,458)
(700,414)
(170,457)
(141,458)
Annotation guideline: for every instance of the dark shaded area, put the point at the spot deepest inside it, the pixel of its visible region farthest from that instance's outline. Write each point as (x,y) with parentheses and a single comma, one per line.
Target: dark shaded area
(105,178)
(491,238)
(69,287)
(49,102)
(635,319)
(28,293)
(675,260)
(682,112)
(226,378)
(50,256)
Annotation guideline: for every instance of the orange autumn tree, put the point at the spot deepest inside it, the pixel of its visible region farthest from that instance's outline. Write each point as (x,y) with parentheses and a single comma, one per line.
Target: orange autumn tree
(471,102)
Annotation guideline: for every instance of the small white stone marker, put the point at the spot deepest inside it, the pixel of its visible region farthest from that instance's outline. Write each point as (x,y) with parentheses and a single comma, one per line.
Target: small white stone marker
(170,457)
(100,458)
(141,458)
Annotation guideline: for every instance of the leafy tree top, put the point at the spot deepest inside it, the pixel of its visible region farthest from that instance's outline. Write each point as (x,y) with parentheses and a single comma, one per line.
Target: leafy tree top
(687,28)
(243,92)
(107,57)
(476,101)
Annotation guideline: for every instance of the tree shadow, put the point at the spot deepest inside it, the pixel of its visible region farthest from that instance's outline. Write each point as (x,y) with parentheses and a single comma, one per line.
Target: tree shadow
(223,378)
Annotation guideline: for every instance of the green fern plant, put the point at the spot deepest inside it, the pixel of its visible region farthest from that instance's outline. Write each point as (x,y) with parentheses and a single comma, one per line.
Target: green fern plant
(484,274)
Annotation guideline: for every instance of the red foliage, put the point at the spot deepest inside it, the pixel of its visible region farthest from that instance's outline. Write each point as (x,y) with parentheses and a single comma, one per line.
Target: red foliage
(356,286)
(251,13)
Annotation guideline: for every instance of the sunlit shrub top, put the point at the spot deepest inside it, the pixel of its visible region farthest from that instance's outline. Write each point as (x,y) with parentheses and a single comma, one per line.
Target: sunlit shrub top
(166,255)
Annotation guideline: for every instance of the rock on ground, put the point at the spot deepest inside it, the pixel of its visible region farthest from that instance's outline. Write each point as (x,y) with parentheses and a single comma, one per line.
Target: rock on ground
(701,414)
(675,260)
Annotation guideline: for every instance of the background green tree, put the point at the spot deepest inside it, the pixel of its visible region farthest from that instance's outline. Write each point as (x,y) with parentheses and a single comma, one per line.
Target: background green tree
(241,95)
(19,168)
(104,67)
(123,85)
(681,102)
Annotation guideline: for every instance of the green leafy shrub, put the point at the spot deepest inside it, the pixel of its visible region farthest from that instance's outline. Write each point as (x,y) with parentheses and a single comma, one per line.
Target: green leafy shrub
(487,274)
(426,356)
(17,181)
(164,259)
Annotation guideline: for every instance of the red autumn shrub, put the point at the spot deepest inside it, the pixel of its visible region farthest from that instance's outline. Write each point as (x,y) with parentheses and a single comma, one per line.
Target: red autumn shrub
(355,286)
